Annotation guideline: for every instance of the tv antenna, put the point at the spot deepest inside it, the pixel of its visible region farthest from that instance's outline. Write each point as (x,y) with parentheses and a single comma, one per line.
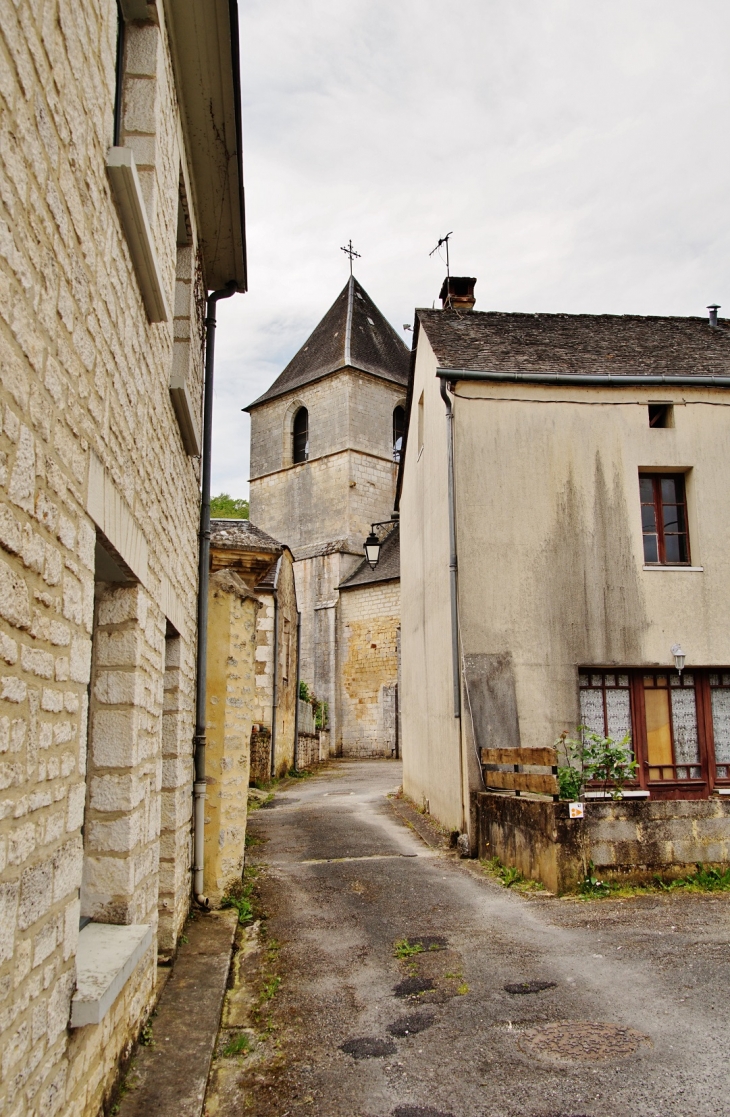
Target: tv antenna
(350,253)
(444,240)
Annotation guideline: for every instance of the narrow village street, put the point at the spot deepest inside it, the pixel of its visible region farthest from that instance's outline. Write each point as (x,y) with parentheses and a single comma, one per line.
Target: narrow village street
(632,1016)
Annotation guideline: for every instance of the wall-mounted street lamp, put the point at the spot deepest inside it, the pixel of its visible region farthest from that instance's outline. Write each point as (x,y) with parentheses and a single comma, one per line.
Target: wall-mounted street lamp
(679,657)
(373,544)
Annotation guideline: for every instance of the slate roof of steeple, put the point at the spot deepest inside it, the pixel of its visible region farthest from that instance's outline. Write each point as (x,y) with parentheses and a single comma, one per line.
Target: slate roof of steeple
(352,334)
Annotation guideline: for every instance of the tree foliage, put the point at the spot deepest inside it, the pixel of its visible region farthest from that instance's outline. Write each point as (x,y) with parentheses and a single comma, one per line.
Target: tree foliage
(225,507)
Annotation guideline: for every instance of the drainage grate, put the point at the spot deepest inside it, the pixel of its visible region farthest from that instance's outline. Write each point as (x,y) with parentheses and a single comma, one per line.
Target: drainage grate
(583,1040)
(529,986)
(419,1111)
(412,986)
(411,1025)
(368,1047)
(273,803)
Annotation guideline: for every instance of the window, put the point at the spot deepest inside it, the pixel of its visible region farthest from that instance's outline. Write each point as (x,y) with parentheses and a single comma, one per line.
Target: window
(679,725)
(300,436)
(664,519)
(399,422)
(661,415)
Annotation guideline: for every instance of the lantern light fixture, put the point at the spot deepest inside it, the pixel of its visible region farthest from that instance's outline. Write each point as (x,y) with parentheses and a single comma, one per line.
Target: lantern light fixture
(679,657)
(373,544)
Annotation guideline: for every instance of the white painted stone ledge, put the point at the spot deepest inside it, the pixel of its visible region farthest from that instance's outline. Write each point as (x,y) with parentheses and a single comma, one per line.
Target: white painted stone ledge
(106,957)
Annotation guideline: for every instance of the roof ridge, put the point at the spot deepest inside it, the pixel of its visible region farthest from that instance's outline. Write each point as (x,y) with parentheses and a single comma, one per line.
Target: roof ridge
(348,320)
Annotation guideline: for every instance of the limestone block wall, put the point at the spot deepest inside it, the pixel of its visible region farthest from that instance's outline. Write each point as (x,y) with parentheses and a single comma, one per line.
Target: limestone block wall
(367,641)
(124,765)
(84,397)
(232,699)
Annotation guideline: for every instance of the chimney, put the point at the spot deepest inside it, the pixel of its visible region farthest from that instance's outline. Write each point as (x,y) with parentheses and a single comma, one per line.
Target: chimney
(457,292)
(713,309)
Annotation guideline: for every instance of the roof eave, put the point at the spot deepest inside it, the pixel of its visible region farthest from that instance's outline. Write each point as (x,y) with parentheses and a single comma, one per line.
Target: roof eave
(205,55)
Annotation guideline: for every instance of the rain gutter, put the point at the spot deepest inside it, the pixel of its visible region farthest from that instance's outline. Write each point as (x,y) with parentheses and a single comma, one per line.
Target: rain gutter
(615,380)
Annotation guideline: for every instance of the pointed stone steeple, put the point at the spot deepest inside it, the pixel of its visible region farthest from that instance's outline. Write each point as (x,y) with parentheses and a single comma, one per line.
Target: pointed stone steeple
(352,334)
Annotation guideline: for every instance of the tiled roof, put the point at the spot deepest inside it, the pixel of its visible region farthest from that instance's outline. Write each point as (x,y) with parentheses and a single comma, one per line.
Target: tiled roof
(352,334)
(387,570)
(578,344)
(242,533)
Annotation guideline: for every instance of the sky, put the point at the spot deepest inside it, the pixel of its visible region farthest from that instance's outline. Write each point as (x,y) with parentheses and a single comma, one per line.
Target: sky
(576,148)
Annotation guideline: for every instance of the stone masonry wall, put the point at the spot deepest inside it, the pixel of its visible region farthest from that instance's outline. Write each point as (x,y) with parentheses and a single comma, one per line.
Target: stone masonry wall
(82,370)
(368,621)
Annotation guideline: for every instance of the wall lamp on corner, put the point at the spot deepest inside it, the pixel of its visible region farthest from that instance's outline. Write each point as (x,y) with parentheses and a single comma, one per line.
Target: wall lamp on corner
(679,657)
(373,544)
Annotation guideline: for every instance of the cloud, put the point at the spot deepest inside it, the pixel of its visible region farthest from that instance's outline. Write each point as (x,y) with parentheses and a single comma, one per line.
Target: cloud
(575,149)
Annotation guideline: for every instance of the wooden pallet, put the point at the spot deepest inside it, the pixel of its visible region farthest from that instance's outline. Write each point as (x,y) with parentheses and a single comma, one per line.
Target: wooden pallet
(514,780)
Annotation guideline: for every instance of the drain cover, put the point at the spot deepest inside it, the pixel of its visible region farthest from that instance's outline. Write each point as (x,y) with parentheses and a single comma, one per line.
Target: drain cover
(368,1047)
(412,986)
(529,986)
(272,803)
(582,1040)
(419,1111)
(411,1025)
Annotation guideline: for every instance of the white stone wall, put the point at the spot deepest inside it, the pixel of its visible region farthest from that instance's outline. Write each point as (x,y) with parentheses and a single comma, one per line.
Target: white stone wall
(82,370)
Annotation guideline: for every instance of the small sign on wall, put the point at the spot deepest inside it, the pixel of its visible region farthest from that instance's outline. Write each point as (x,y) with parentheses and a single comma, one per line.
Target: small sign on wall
(576,810)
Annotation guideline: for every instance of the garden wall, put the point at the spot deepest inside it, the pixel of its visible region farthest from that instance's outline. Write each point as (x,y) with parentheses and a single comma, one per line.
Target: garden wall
(631,838)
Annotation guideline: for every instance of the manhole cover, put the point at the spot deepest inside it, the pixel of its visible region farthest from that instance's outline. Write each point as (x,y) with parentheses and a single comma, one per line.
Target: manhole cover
(410,1025)
(368,1047)
(419,1111)
(583,1040)
(412,986)
(529,986)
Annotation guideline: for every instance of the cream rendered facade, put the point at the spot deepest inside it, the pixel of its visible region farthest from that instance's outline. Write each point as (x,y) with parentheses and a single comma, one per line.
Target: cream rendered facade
(551,570)
(105,226)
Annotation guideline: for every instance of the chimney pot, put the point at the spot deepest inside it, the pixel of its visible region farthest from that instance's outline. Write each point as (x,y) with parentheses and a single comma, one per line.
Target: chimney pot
(457,292)
(713,309)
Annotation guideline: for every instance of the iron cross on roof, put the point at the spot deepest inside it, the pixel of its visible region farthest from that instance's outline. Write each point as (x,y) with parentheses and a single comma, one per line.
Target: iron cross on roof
(350,252)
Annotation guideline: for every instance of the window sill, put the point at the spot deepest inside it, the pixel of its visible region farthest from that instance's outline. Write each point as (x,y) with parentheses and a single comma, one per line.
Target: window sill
(124,180)
(721,791)
(669,566)
(106,957)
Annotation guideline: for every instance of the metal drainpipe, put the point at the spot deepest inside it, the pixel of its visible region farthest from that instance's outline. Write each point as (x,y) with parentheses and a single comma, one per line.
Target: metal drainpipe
(296,700)
(275,687)
(203,578)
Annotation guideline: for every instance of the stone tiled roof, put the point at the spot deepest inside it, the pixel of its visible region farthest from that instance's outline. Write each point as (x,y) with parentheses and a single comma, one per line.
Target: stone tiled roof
(352,334)
(387,570)
(582,344)
(242,533)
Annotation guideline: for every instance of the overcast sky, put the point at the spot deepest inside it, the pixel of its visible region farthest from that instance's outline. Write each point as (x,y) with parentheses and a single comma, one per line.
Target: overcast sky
(578,150)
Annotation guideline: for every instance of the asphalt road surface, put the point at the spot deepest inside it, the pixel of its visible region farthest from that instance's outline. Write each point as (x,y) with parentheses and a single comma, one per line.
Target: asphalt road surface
(516,1005)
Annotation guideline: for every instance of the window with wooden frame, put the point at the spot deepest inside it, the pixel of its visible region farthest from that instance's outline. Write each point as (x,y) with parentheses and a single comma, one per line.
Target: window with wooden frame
(664,519)
(678,725)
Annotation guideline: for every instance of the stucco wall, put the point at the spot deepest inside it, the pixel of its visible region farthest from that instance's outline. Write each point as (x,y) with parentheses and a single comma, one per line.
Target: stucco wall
(82,370)
(432,764)
(550,543)
(368,620)
(232,705)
